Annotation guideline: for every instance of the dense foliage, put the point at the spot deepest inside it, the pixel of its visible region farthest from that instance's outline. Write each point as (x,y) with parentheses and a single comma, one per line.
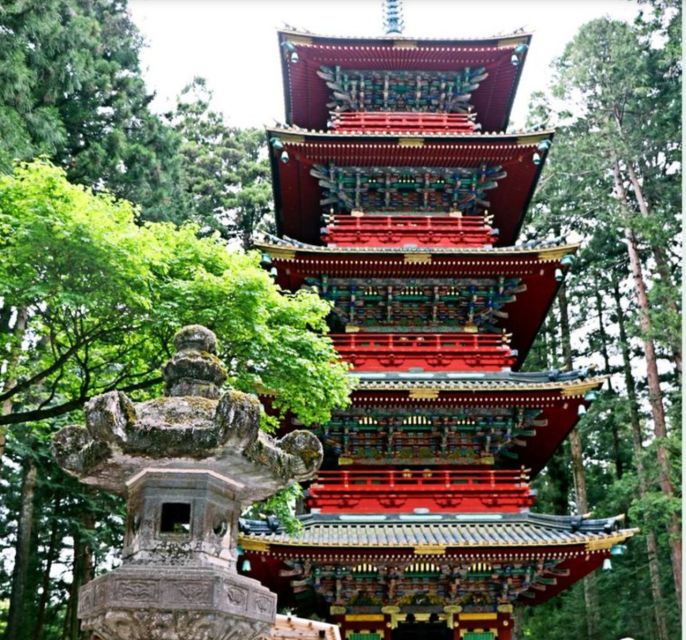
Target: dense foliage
(226,176)
(613,180)
(70,88)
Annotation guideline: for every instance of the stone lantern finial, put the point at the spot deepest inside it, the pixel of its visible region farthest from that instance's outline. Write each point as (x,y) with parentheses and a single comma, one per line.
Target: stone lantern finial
(195,370)
(187,462)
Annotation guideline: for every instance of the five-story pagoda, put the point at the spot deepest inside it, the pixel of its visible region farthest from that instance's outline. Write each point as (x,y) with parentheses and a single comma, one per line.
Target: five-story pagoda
(399,197)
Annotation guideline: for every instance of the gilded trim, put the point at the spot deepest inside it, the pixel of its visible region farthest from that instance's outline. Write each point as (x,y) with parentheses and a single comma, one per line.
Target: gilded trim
(410,142)
(405,44)
(556,254)
(477,616)
(417,258)
(602,544)
(292,137)
(250,544)
(430,550)
(281,254)
(529,139)
(424,394)
(507,43)
(298,39)
(581,388)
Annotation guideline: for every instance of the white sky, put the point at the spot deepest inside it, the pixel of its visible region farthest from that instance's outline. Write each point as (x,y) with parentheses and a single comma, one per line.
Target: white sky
(233,44)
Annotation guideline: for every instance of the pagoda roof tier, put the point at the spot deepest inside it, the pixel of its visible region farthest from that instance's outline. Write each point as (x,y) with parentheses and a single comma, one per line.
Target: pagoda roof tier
(571,383)
(521,557)
(423,420)
(308,96)
(467,174)
(442,289)
(450,531)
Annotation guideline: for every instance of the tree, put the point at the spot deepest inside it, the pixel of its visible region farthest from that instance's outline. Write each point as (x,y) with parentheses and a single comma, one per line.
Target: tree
(103,296)
(618,85)
(71,89)
(612,181)
(226,169)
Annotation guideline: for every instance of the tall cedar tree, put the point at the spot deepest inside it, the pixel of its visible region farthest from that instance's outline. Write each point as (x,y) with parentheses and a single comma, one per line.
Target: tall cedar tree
(226,169)
(71,89)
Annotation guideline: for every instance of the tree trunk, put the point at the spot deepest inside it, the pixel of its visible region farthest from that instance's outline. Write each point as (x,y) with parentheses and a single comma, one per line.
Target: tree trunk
(637,440)
(7,406)
(616,451)
(578,471)
(558,465)
(661,260)
(46,582)
(661,263)
(654,391)
(658,412)
(16,622)
(71,622)
(82,572)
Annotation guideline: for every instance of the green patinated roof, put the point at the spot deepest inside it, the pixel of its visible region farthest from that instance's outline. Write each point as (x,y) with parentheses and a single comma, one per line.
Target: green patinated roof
(457,531)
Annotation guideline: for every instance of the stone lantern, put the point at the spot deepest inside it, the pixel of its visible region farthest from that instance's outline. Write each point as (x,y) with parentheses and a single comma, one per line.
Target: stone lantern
(187,463)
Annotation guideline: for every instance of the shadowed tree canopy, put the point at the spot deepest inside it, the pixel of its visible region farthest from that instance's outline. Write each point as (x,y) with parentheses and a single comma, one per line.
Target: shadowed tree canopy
(71,89)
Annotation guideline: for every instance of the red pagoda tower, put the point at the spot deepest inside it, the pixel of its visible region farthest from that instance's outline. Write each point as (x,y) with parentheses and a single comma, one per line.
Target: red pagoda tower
(399,199)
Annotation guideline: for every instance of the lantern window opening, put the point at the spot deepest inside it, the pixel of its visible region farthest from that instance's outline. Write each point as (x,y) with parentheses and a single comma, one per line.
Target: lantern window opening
(175,518)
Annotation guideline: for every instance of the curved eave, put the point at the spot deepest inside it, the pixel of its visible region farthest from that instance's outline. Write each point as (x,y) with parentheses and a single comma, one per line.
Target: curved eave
(322,38)
(536,267)
(304,95)
(283,251)
(301,136)
(565,389)
(559,401)
(375,538)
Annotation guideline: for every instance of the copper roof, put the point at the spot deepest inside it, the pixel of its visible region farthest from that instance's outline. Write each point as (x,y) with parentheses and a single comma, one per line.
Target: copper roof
(447,531)
(551,250)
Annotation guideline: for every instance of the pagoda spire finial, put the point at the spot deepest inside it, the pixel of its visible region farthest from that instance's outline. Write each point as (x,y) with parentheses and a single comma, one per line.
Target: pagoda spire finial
(393,17)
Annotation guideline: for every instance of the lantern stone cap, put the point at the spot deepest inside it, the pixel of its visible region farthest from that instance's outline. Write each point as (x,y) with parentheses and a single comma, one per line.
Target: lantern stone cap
(172,471)
(195,427)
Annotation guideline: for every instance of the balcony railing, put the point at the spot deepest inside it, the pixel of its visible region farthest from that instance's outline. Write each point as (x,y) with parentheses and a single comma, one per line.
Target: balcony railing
(408,490)
(404,121)
(408,230)
(425,351)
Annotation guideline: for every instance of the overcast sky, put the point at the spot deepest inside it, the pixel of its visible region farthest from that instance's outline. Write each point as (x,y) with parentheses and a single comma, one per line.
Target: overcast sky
(233,44)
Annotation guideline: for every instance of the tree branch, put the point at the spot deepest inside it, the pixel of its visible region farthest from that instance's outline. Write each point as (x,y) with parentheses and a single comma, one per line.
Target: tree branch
(71,405)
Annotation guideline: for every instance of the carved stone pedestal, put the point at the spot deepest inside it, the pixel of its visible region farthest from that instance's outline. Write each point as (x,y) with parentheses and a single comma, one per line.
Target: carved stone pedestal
(176,604)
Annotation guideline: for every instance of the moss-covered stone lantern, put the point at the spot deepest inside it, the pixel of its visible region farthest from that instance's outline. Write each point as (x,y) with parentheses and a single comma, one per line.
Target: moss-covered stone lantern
(187,463)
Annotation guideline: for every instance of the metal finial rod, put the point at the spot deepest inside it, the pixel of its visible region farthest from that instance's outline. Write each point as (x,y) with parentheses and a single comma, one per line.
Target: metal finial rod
(393,17)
